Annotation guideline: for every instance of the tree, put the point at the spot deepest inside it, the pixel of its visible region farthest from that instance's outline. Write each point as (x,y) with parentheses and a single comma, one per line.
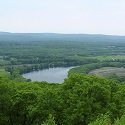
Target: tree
(49,121)
(101,120)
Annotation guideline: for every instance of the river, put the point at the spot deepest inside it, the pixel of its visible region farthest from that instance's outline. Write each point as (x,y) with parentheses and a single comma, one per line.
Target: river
(51,75)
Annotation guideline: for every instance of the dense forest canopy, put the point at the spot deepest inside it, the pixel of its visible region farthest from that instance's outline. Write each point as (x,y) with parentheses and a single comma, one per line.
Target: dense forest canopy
(82,99)
(24,37)
(57,49)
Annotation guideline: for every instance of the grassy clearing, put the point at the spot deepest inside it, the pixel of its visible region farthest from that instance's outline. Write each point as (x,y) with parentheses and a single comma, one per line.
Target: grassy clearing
(108,71)
(3,73)
(2,70)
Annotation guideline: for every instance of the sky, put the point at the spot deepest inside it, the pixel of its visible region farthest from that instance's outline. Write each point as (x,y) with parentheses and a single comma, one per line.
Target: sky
(63,16)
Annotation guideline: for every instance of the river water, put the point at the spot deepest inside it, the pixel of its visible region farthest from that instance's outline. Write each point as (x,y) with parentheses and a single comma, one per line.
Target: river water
(51,75)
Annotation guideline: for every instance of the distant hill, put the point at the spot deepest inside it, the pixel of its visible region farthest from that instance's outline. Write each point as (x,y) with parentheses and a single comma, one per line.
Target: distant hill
(3,33)
(33,37)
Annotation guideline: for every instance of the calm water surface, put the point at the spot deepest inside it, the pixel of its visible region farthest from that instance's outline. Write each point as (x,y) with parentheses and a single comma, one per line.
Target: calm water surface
(52,75)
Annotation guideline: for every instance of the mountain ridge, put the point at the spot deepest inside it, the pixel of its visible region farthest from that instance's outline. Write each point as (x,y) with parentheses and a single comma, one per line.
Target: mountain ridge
(24,37)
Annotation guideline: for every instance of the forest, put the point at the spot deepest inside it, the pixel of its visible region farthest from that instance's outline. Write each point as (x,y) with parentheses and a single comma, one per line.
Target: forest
(83,99)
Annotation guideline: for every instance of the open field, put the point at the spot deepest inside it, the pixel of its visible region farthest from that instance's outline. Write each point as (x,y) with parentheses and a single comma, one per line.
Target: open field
(3,73)
(108,71)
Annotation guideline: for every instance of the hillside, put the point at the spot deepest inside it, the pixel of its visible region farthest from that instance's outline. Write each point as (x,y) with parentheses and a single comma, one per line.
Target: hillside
(81,99)
(18,37)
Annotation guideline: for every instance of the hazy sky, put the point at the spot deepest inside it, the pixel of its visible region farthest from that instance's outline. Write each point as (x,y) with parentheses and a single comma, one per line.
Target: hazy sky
(63,16)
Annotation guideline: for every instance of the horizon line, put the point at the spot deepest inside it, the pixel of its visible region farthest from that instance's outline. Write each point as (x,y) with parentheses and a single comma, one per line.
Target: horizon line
(61,33)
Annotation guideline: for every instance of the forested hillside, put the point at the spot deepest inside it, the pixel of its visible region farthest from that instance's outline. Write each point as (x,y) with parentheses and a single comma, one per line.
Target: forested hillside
(38,51)
(25,37)
(83,99)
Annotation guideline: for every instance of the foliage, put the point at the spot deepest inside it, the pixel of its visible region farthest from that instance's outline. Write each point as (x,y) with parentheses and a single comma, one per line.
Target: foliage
(49,121)
(120,121)
(79,100)
(101,120)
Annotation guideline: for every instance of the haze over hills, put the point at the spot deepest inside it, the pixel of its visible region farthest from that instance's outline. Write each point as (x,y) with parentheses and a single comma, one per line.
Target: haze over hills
(23,37)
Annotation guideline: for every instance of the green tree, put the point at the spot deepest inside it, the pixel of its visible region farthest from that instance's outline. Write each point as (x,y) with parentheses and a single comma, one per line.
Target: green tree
(102,120)
(49,121)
